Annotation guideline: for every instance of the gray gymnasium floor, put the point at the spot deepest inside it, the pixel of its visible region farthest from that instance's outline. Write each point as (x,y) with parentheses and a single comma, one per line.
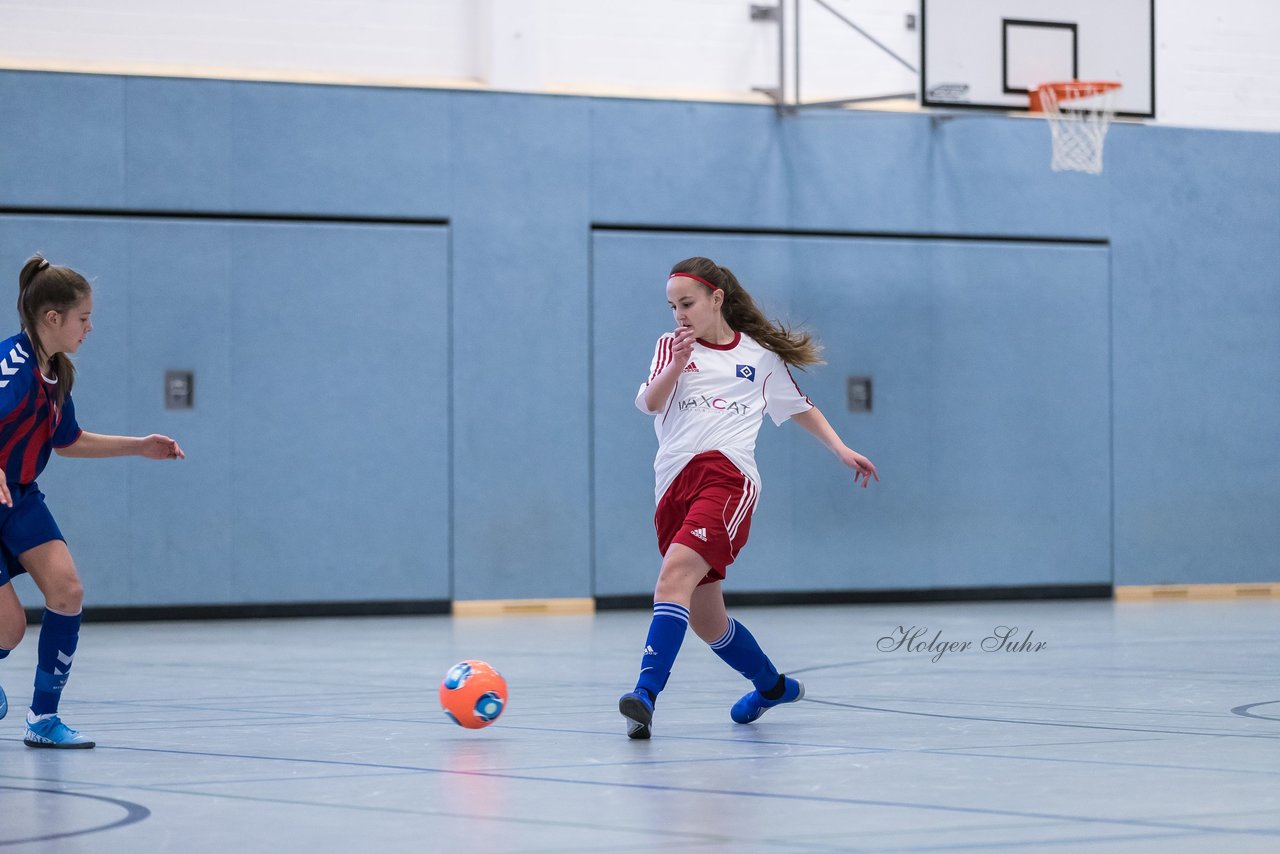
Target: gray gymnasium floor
(1135,728)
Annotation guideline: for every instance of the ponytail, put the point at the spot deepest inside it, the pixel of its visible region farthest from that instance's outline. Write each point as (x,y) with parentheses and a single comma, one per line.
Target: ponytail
(34,265)
(796,348)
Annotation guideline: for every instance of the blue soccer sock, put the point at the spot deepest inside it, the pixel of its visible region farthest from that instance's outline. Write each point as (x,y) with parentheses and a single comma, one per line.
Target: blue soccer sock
(739,649)
(59,634)
(666,633)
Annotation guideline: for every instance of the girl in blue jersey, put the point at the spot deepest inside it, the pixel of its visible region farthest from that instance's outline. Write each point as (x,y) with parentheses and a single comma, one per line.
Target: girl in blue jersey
(712,381)
(36,417)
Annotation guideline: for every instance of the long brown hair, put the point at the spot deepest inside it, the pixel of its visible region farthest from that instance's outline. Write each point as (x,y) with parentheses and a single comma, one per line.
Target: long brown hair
(43,286)
(743,315)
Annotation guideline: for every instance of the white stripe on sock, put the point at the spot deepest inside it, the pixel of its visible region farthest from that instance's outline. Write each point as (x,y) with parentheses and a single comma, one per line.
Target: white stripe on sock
(671,609)
(726,638)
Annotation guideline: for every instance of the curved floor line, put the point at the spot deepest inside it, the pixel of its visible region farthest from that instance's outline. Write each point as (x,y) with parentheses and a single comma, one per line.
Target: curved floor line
(836,665)
(1042,723)
(1243,711)
(134,813)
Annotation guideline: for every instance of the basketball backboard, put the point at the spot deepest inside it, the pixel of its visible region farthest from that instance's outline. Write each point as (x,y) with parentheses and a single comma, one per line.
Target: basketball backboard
(989,54)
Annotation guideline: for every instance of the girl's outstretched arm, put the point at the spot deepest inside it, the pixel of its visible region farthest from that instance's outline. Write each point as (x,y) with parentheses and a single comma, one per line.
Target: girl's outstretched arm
(816,423)
(96,445)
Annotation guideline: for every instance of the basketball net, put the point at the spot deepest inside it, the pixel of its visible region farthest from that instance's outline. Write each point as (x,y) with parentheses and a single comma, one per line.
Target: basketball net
(1079,114)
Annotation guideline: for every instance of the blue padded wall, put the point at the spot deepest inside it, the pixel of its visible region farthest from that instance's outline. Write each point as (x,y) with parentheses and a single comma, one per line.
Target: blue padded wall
(1197,356)
(991,425)
(521,358)
(1072,391)
(317,461)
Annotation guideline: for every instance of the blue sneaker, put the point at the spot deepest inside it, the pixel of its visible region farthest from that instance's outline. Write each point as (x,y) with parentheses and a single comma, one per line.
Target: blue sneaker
(637,708)
(753,705)
(52,732)
(4,704)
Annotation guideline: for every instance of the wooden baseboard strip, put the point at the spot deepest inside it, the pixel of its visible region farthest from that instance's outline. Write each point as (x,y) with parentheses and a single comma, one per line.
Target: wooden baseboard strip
(1164,592)
(522,607)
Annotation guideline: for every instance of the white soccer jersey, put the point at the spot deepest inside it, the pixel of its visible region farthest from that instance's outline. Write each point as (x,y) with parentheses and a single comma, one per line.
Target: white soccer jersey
(719,403)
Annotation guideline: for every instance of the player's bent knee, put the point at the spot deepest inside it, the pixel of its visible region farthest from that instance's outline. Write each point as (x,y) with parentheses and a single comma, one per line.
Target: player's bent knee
(13,622)
(12,632)
(672,590)
(68,598)
(677,580)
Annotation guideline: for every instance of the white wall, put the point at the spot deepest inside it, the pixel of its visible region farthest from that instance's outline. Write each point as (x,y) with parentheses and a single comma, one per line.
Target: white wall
(272,39)
(1218,64)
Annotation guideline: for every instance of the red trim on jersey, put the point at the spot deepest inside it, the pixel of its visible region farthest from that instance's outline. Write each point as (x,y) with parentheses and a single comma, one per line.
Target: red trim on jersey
(796,384)
(737,336)
(664,356)
(670,400)
(764,389)
(696,279)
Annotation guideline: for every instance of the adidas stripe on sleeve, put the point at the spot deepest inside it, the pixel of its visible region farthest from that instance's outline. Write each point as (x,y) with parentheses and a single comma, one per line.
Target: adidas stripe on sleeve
(661,358)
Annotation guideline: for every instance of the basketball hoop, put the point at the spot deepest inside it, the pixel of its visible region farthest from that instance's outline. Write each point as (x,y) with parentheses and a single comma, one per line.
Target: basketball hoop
(1079,113)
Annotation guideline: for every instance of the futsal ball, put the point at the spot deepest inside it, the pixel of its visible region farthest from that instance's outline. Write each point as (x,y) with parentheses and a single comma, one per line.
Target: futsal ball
(473,694)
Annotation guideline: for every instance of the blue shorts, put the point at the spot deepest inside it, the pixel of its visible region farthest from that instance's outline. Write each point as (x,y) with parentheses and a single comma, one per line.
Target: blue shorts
(25,525)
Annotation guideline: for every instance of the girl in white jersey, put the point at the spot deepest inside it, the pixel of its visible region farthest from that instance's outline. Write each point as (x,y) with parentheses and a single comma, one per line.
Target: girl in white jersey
(710,384)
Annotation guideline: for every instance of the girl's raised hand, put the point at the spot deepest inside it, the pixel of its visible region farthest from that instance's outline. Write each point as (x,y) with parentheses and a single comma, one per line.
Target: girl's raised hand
(5,498)
(157,447)
(682,350)
(862,466)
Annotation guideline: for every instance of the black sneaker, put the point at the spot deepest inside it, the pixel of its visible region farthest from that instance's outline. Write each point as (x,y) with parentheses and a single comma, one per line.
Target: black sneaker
(638,710)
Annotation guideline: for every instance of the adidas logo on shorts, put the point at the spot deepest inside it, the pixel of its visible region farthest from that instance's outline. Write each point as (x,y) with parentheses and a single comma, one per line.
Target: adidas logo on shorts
(700,533)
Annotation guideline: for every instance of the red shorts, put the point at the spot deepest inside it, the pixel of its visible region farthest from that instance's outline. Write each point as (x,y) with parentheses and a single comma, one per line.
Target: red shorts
(707,508)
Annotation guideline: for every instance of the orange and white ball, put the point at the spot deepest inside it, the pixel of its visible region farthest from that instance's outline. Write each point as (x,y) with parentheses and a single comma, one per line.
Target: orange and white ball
(473,694)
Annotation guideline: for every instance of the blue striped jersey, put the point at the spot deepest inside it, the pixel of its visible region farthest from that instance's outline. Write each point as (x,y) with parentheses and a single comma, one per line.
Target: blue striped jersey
(31,425)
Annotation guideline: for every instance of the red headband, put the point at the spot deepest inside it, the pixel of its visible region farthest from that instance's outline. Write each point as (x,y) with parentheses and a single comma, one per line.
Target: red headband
(696,279)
